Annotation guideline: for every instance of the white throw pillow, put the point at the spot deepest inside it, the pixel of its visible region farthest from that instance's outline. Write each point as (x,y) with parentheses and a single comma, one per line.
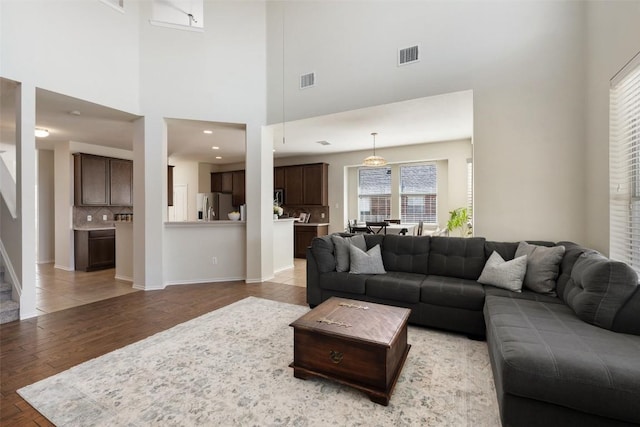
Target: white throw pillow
(504,274)
(369,262)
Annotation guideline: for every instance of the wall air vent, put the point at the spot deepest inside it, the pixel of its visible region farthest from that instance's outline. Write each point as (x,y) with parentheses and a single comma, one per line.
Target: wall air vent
(307,80)
(408,55)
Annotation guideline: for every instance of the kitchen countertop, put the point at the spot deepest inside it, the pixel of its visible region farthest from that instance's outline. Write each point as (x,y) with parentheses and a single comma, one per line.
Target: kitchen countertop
(103,227)
(220,222)
(310,224)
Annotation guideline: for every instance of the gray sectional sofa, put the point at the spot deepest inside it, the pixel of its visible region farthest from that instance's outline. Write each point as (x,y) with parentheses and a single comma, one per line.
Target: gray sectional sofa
(558,360)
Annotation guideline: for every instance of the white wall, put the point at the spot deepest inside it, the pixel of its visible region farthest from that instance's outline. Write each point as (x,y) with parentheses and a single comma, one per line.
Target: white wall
(46,207)
(343,166)
(612,40)
(523,60)
(218,75)
(79,48)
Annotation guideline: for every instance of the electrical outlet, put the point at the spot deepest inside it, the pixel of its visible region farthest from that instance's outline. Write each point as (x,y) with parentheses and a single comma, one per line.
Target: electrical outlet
(89,218)
(214,260)
(104,217)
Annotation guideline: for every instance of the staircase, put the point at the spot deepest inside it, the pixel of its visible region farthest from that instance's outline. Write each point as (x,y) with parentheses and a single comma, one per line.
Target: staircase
(9,309)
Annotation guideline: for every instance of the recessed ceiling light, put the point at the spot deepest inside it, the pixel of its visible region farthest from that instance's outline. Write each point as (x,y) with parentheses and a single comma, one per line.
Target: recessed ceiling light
(323,142)
(74,113)
(41,133)
(215,148)
(208,132)
(218,157)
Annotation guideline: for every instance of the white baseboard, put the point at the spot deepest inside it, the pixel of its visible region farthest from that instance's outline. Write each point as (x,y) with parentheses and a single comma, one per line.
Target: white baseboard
(199,281)
(63,267)
(125,278)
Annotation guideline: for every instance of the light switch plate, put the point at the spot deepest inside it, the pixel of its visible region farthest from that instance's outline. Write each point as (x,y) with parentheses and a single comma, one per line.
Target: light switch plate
(89,218)
(104,217)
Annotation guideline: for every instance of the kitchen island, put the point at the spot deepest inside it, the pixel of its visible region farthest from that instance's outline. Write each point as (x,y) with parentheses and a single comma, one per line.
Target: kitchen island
(282,244)
(124,250)
(204,251)
(305,233)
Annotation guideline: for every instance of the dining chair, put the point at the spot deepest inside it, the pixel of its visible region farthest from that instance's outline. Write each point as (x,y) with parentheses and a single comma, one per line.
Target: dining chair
(420,226)
(362,230)
(376,227)
(393,221)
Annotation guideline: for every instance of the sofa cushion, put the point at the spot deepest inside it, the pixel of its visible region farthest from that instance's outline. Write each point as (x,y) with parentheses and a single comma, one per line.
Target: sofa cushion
(526,294)
(406,253)
(457,257)
(323,252)
(628,318)
(452,292)
(369,262)
(598,289)
(544,352)
(543,265)
(343,282)
(396,286)
(572,252)
(504,274)
(341,249)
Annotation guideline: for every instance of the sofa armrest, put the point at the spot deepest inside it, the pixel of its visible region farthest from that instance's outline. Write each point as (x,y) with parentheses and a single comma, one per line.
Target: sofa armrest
(314,295)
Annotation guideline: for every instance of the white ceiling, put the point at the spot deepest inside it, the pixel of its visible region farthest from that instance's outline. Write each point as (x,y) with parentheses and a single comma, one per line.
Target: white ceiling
(421,120)
(436,118)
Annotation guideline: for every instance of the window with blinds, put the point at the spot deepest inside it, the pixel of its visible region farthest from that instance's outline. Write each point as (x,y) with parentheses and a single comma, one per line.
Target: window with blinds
(374,194)
(624,165)
(418,193)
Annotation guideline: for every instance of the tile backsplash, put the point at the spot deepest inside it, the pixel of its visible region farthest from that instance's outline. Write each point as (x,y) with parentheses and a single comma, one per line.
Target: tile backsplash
(81,214)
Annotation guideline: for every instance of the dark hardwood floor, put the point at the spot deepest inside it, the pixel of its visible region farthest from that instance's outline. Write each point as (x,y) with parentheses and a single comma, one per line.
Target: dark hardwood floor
(33,349)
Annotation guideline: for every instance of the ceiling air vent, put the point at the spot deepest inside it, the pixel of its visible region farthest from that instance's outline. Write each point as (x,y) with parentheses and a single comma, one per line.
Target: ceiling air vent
(307,80)
(408,55)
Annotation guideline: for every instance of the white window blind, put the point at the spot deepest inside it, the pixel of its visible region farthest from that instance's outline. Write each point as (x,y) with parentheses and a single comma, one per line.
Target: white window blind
(624,165)
(374,194)
(419,193)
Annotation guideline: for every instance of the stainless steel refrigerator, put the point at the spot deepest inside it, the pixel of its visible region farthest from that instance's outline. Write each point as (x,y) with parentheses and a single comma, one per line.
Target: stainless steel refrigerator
(213,206)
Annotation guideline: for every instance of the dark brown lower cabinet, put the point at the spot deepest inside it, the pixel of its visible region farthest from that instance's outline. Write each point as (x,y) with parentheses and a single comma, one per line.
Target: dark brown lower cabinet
(303,235)
(95,249)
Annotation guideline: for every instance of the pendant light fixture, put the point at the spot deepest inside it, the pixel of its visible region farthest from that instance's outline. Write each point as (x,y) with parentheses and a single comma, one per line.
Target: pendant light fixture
(374,160)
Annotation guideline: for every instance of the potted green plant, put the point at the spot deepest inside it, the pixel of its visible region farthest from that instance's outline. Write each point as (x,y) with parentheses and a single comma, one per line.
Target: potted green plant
(460,219)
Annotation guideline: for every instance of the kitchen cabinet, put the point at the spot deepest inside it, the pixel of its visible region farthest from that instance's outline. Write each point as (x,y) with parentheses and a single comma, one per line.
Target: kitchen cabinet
(304,234)
(315,182)
(232,182)
(222,182)
(120,182)
(102,181)
(293,186)
(278,178)
(306,184)
(95,249)
(91,180)
(238,188)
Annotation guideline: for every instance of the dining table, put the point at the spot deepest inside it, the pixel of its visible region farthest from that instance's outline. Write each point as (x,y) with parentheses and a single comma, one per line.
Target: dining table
(396,228)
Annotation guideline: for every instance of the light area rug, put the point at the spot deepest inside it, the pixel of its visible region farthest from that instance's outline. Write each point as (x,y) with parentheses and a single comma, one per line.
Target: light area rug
(229,367)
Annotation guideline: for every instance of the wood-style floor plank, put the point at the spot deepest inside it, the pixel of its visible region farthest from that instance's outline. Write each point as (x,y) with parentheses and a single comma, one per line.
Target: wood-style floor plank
(34,349)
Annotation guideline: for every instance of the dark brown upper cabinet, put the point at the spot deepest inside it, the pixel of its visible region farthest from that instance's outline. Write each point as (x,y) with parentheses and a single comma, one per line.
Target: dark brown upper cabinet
(102,181)
(306,184)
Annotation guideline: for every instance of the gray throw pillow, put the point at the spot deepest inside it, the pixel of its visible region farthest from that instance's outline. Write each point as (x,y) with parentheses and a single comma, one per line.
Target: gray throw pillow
(341,246)
(369,262)
(504,274)
(543,265)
